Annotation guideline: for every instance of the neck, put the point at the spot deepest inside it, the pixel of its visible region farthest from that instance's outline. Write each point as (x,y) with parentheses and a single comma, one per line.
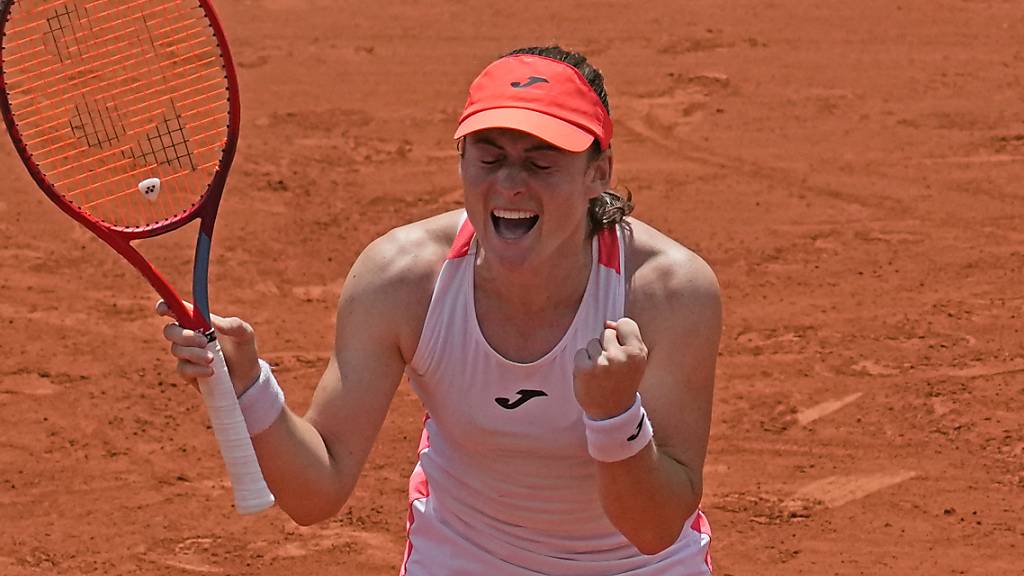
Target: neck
(556,282)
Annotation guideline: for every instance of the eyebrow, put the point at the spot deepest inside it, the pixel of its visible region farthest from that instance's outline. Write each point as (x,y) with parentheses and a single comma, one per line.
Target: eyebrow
(542,147)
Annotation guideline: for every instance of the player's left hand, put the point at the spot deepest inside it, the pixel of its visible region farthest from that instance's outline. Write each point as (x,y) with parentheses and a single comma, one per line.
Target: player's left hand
(609,369)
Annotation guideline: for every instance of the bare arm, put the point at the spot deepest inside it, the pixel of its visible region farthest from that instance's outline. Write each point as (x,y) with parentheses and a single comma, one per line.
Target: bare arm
(311,463)
(649,496)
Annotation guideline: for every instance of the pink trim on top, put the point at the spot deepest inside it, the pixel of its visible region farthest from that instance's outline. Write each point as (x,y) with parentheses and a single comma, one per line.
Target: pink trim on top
(463,240)
(608,249)
(418,490)
(700,525)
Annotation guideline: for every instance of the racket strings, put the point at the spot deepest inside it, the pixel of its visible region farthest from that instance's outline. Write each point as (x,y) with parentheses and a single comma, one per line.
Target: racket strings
(116,33)
(219,117)
(106,96)
(81,125)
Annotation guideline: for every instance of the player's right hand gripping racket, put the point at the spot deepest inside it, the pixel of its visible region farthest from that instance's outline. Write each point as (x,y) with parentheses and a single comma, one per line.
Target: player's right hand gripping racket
(126,114)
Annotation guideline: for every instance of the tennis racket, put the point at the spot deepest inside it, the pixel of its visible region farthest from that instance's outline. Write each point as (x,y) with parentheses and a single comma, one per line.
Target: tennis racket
(126,114)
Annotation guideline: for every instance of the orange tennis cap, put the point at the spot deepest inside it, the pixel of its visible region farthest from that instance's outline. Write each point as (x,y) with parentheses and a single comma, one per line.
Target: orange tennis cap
(538,95)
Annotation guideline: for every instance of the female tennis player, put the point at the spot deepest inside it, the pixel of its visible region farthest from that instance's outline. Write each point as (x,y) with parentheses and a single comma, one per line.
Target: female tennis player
(565,355)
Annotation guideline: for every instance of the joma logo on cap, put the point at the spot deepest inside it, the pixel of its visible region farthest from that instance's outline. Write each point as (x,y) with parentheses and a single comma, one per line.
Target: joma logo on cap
(529,82)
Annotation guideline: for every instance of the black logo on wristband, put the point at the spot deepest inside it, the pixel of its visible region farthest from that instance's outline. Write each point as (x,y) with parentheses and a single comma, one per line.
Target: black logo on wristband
(524,397)
(639,425)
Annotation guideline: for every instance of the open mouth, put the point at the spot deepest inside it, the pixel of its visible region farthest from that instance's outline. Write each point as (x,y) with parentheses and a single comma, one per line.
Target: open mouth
(513,224)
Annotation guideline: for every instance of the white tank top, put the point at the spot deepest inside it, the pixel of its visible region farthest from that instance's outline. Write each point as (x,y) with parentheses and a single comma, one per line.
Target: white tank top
(504,485)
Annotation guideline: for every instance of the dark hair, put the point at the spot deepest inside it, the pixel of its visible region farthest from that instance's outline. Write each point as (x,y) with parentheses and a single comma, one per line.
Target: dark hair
(610,208)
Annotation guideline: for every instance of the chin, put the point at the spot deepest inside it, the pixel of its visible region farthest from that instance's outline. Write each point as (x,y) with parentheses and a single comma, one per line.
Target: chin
(511,256)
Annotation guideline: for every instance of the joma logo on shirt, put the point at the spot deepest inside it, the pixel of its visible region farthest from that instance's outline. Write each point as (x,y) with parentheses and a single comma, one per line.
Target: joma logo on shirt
(524,396)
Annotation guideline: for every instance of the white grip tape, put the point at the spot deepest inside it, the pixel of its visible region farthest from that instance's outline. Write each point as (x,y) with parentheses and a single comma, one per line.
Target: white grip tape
(620,437)
(250,490)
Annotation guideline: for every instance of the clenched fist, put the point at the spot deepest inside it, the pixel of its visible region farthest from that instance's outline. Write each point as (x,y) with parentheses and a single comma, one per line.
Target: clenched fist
(608,370)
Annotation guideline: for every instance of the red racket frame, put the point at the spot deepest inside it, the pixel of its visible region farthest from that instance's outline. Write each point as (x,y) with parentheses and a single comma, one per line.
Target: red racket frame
(119,237)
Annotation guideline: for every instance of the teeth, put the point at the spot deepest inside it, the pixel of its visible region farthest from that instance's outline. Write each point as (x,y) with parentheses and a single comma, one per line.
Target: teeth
(513,214)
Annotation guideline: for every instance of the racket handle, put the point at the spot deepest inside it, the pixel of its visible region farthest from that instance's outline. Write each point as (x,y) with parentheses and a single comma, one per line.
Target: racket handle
(250,490)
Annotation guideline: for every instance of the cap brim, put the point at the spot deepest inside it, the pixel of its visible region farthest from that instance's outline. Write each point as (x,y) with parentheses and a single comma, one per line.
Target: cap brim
(548,128)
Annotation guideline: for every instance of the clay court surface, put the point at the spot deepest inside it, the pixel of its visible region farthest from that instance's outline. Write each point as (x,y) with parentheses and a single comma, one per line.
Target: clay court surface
(851,170)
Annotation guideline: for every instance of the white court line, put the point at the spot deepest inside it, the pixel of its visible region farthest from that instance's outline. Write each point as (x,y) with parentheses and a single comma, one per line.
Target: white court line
(834,491)
(805,417)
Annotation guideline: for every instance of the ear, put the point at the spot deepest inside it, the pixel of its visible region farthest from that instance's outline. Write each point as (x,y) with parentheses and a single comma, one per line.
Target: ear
(599,174)
(460,147)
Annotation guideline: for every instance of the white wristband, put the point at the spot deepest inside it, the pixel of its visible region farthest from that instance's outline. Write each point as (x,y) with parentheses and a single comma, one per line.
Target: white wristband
(262,403)
(620,437)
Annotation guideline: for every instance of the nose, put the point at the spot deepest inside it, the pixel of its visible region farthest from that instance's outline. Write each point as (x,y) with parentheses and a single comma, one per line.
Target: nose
(511,179)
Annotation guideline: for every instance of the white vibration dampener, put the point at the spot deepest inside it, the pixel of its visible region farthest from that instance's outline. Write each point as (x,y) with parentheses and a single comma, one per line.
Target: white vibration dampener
(150,188)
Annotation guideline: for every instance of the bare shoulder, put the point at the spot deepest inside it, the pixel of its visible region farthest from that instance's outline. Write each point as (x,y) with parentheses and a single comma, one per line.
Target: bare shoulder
(406,254)
(393,278)
(671,289)
(660,268)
